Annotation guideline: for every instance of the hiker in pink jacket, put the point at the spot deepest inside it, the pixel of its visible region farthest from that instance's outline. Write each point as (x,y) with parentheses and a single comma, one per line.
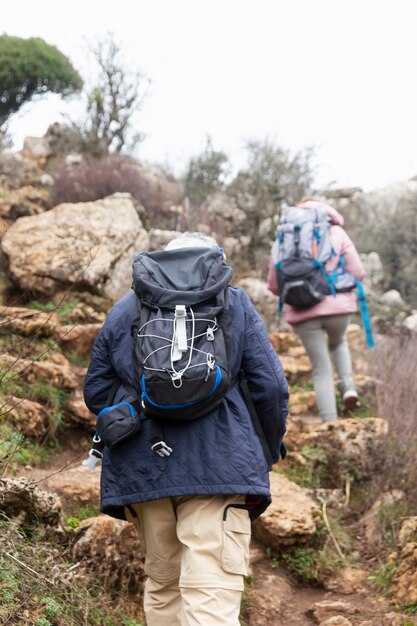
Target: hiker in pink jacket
(322,328)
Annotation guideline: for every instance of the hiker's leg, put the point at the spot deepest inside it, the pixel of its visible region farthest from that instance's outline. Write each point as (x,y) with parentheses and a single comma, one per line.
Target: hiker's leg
(336,327)
(216,536)
(156,523)
(314,338)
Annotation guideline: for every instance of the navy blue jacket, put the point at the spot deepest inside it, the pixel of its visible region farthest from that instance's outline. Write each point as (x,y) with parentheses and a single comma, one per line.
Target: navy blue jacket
(218,453)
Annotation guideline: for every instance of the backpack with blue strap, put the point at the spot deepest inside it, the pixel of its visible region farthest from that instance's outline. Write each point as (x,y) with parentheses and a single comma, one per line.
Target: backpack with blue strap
(300,252)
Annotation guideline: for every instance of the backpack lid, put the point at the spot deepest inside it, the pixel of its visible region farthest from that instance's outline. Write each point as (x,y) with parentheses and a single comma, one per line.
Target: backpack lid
(186,275)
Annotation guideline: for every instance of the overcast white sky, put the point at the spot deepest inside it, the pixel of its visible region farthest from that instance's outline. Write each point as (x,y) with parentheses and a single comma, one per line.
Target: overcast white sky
(336,74)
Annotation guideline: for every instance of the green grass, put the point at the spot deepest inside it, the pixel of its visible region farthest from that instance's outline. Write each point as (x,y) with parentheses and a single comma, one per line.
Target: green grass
(81,513)
(28,599)
(62,308)
(315,471)
(318,559)
(16,450)
(246,601)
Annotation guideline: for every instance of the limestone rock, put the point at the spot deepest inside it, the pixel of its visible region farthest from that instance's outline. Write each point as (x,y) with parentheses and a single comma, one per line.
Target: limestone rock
(326,609)
(290,519)
(28,505)
(410,323)
(408,531)
(160,191)
(83,313)
(110,552)
(78,412)
(371,519)
(224,215)
(302,402)
(27,417)
(27,322)
(296,368)
(282,342)
(375,278)
(351,445)
(396,619)
(77,485)
(36,147)
(405,579)
(337,620)
(158,238)
(79,337)
(269,597)
(15,169)
(87,245)
(347,580)
(393,299)
(56,371)
(26,200)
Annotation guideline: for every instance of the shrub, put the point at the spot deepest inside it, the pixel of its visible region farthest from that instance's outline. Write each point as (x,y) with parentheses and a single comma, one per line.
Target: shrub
(97,178)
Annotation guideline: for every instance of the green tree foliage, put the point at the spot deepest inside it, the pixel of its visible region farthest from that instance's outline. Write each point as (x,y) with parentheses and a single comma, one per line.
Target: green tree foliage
(273,177)
(31,67)
(206,173)
(111,103)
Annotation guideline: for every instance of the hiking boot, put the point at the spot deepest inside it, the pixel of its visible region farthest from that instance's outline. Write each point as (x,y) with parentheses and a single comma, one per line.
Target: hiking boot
(350,400)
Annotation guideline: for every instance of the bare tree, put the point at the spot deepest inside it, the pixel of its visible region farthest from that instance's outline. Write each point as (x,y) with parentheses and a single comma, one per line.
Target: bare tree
(112,103)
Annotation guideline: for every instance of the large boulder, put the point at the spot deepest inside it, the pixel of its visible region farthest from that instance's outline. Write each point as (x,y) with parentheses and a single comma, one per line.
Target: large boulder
(362,210)
(292,518)
(87,245)
(110,552)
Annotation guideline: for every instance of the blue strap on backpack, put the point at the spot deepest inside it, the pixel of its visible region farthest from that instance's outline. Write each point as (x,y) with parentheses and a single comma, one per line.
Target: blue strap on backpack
(365,314)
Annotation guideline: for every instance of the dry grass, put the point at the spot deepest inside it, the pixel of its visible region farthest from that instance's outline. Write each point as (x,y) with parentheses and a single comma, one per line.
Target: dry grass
(394,365)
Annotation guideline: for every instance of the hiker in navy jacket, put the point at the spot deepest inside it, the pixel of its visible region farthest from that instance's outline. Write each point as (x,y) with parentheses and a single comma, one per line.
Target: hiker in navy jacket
(193,508)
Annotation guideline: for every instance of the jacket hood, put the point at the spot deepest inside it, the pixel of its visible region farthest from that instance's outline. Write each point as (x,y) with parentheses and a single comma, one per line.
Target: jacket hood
(184,276)
(335,216)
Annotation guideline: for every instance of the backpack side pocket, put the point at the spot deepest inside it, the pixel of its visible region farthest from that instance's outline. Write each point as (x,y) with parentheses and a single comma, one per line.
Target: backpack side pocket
(116,423)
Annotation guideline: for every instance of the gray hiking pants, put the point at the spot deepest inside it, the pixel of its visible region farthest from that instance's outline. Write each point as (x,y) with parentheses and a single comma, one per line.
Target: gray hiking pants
(325,341)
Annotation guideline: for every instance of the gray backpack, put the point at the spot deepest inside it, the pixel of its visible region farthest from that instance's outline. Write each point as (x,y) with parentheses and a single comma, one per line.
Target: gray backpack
(182,335)
(300,253)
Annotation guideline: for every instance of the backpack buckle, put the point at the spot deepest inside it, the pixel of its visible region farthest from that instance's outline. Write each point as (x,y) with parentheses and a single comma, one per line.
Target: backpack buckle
(161,448)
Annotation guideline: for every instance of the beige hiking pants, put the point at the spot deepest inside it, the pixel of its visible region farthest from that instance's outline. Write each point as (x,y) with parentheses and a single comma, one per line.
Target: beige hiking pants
(197,554)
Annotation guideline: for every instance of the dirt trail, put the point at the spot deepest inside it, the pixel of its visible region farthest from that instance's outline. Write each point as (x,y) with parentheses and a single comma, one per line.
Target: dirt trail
(274,597)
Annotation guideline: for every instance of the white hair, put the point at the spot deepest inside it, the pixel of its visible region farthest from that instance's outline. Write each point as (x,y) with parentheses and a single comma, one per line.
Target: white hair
(192,240)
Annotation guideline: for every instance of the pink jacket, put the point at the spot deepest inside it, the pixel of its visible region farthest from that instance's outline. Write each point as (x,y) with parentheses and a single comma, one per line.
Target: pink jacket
(342,303)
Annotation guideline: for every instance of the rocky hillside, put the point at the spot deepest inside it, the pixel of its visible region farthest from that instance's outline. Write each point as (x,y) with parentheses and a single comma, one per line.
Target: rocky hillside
(338,546)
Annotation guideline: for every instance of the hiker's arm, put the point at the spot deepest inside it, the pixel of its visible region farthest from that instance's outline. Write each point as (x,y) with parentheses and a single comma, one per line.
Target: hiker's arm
(272,272)
(266,379)
(272,278)
(353,263)
(100,376)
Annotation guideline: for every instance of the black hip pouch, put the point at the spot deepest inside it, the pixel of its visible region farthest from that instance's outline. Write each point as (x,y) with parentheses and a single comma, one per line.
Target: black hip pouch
(116,423)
